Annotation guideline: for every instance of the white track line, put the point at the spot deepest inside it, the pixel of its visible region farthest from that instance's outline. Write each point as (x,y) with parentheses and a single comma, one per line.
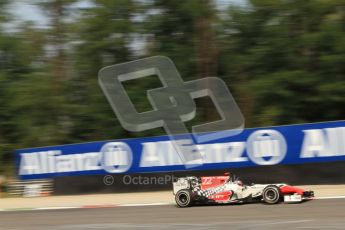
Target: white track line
(329,197)
(128,205)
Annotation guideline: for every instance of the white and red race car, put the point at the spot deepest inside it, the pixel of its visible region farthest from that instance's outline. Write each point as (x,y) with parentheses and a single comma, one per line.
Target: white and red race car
(229,189)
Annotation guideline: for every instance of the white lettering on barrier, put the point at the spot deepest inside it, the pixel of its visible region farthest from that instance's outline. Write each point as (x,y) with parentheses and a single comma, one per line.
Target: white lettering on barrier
(114,157)
(323,142)
(163,153)
(29,164)
(264,147)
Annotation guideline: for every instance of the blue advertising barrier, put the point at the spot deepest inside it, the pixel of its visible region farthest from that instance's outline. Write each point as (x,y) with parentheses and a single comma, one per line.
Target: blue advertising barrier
(279,145)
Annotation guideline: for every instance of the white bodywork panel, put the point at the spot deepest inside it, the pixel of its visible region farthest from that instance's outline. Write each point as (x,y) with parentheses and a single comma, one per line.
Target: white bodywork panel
(181,183)
(249,191)
(292,198)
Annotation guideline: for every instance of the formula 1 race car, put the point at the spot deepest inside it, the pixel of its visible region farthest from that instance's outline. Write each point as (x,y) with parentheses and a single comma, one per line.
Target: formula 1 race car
(229,189)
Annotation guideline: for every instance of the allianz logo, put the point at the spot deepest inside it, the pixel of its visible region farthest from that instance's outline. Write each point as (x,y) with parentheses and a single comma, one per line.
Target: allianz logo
(263,147)
(114,157)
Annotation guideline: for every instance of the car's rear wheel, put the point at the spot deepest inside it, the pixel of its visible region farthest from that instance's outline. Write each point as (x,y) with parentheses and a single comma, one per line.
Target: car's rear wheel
(271,194)
(184,198)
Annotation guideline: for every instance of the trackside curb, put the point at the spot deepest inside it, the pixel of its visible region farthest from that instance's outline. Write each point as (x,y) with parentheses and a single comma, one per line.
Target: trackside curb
(82,207)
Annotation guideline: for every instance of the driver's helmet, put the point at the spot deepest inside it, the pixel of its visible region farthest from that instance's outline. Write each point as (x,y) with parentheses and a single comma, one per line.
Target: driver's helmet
(194,181)
(239,182)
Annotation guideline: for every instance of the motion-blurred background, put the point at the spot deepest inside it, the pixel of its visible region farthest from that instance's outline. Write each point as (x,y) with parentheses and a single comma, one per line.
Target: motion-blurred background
(283,60)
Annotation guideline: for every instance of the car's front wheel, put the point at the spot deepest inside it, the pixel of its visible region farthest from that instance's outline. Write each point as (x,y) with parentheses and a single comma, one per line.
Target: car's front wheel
(271,194)
(184,198)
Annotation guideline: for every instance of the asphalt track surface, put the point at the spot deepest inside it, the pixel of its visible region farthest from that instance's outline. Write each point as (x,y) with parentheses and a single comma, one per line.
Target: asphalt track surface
(315,214)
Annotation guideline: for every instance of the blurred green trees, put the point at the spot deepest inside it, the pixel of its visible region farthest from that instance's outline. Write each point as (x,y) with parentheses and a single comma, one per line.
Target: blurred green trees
(287,58)
(283,60)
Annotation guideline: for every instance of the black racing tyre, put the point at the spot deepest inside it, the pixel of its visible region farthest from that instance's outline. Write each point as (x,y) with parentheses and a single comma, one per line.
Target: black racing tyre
(271,194)
(184,198)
